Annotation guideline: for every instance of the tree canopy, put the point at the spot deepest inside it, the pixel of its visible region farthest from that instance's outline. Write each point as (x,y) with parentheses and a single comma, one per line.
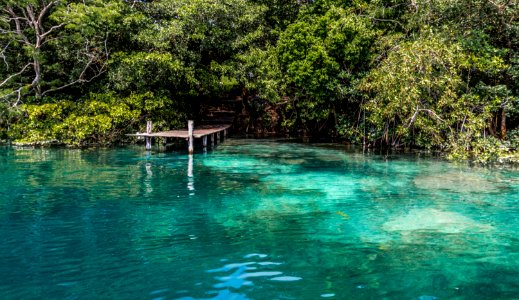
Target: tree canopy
(434,74)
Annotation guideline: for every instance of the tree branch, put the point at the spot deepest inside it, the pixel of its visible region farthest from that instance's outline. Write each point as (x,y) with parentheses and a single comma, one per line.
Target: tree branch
(4,31)
(18,97)
(45,10)
(42,14)
(32,18)
(16,74)
(417,110)
(81,78)
(17,18)
(4,58)
(51,30)
(17,24)
(432,113)
(50,40)
(413,118)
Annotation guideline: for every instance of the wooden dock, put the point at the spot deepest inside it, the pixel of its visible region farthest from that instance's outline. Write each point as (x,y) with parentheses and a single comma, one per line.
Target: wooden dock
(190,134)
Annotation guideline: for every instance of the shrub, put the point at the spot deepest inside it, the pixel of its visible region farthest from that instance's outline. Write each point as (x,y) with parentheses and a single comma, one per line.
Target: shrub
(100,119)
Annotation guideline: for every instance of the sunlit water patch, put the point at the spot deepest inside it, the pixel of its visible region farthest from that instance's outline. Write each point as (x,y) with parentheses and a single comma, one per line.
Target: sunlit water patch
(254,219)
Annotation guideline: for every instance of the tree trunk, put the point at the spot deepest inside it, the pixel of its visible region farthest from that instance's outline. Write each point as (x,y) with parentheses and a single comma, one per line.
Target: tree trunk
(491,128)
(36,83)
(503,123)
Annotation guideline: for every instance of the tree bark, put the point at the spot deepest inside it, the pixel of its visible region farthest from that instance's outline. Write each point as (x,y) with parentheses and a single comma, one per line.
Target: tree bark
(491,128)
(503,123)
(36,83)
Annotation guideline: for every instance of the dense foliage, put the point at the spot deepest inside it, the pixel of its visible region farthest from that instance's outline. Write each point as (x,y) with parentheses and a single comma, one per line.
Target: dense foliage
(434,74)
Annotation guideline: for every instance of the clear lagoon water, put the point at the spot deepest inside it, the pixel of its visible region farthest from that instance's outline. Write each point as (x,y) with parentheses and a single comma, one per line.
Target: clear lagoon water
(254,219)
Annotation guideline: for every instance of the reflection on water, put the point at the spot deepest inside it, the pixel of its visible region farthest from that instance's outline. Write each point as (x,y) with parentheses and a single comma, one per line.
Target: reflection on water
(190,179)
(254,220)
(233,276)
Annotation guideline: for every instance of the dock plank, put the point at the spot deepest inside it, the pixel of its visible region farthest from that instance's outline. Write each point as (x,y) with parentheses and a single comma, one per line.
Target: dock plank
(199,132)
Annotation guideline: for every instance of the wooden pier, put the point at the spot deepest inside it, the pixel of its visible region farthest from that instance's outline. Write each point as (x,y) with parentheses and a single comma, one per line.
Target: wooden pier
(190,134)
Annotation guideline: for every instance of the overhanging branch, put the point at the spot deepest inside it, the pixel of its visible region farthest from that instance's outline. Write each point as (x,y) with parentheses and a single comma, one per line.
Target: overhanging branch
(90,65)
(16,74)
(428,111)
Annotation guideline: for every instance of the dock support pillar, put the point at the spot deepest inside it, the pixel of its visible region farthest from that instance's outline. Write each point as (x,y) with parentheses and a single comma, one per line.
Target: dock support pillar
(213,140)
(190,127)
(224,134)
(149,127)
(204,142)
(218,137)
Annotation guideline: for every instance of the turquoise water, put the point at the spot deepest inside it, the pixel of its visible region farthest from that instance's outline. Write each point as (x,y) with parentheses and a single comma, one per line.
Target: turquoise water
(254,220)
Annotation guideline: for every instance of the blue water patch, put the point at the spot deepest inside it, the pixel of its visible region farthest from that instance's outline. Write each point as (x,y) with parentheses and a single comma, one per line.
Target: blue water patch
(254,219)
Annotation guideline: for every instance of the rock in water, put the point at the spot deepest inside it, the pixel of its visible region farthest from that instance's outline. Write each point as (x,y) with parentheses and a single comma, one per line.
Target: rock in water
(456,182)
(431,219)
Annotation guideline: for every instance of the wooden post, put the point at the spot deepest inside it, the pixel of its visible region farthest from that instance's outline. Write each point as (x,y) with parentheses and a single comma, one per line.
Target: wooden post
(190,127)
(212,141)
(218,137)
(149,127)
(204,142)
(224,134)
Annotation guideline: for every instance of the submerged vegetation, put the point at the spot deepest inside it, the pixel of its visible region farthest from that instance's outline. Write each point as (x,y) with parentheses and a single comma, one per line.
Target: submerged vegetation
(434,74)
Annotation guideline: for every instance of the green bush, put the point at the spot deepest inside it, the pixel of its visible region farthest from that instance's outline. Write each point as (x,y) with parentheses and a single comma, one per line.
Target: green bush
(100,119)
(481,150)
(513,137)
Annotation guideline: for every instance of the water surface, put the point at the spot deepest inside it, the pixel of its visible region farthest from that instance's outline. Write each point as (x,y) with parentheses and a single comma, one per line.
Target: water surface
(254,220)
